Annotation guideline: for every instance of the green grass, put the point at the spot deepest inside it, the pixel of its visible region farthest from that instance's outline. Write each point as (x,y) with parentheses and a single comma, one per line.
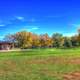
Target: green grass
(39,64)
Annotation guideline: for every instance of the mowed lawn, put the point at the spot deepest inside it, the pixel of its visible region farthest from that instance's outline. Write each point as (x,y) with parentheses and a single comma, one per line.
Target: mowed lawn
(40,64)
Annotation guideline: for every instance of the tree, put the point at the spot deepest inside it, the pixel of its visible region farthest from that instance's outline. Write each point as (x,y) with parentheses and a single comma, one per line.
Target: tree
(67,42)
(24,39)
(78,37)
(10,38)
(36,41)
(45,40)
(21,39)
(74,40)
(57,40)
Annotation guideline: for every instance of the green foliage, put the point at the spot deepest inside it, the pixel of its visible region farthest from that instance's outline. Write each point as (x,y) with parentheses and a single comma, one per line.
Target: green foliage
(57,40)
(67,42)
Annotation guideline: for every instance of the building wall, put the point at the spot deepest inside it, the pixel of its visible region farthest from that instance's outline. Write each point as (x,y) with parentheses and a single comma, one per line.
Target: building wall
(5,46)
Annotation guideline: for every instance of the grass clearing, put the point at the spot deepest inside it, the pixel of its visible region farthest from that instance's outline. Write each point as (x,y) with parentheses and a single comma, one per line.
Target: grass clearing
(40,64)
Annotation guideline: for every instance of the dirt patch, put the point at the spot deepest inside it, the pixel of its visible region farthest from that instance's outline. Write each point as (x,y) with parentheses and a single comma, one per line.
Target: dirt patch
(72,76)
(49,60)
(8,65)
(50,73)
(54,60)
(74,61)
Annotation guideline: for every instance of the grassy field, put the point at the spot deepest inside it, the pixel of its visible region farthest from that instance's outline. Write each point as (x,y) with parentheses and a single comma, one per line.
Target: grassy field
(40,64)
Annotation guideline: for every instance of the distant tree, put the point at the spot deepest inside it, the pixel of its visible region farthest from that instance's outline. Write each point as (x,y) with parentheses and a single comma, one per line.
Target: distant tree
(24,39)
(21,39)
(74,40)
(57,40)
(36,41)
(42,40)
(45,40)
(67,42)
(9,38)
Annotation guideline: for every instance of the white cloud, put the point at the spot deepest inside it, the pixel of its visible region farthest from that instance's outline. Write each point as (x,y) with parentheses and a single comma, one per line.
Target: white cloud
(33,29)
(1,25)
(19,17)
(30,28)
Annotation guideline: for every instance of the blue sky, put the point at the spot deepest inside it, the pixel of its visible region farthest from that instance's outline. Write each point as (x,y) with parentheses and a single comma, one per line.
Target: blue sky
(39,16)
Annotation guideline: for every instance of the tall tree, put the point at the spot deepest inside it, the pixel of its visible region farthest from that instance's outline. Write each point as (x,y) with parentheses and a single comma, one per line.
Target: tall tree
(24,39)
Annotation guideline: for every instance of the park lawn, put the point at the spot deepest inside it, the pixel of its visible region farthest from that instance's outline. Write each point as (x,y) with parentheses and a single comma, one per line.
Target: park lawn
(40,64)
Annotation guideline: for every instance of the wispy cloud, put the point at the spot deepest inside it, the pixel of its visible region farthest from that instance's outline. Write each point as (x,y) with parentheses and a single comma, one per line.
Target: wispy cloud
(75,25)
(30,28)
(33,29)
(1,25)
(19,17)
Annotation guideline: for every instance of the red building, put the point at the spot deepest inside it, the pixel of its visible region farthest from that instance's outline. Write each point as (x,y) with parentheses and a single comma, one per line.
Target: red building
(6,45)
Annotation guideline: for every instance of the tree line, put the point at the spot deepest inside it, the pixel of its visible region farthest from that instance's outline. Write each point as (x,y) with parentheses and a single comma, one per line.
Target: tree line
(26,39)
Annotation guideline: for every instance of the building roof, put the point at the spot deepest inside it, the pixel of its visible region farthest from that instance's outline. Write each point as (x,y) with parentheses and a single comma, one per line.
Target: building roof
(5,42)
